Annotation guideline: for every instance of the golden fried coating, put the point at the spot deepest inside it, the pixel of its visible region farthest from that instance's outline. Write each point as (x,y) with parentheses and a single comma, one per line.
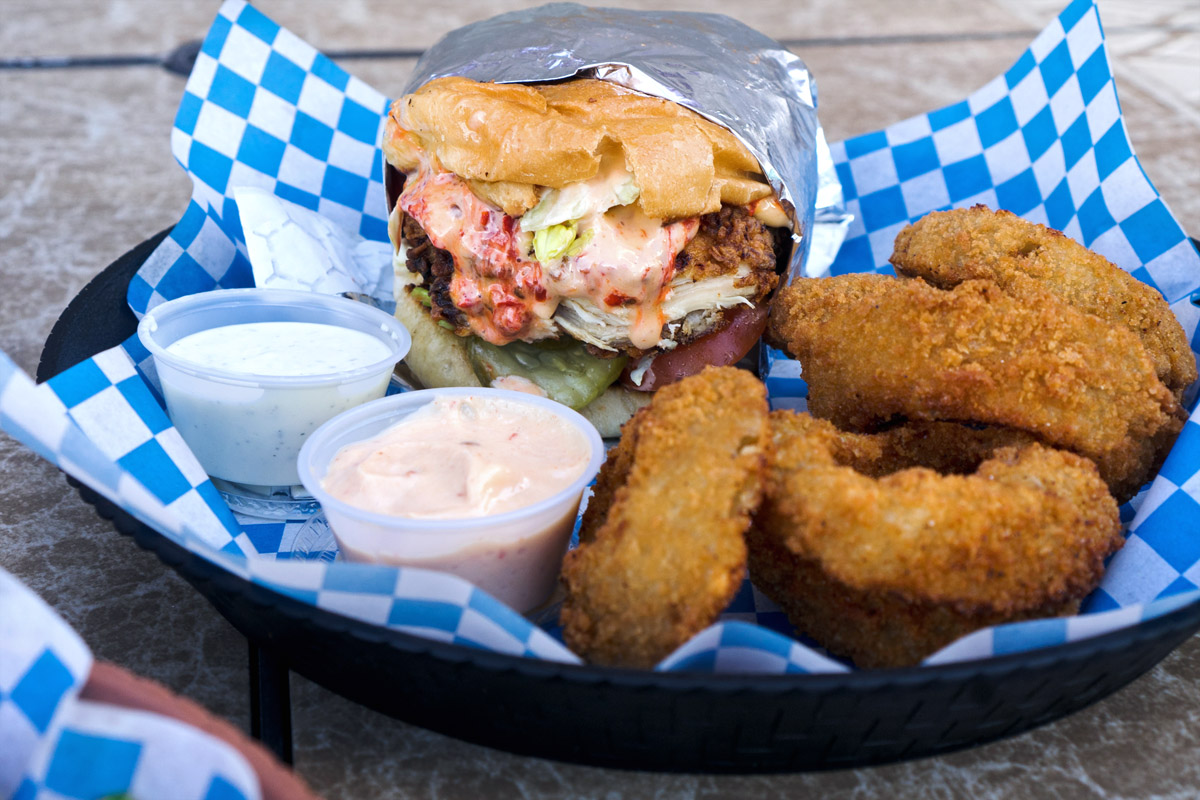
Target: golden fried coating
(612,476)
(1024,259)
(888,570)
(675,502)
(875,349)
(945,447)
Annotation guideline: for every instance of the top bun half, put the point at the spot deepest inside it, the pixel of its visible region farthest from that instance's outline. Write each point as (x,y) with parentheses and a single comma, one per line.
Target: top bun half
(509,139)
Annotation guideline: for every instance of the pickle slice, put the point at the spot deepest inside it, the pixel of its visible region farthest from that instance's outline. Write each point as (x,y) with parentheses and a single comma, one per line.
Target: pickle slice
(564,370)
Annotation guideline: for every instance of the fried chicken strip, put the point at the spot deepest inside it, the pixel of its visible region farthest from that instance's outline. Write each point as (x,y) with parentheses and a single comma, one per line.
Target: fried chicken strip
(1024,259)
(887,571)
(675,502)
(875,348)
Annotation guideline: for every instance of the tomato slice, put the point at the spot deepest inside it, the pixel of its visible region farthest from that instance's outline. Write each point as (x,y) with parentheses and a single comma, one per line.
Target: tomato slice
(719,349)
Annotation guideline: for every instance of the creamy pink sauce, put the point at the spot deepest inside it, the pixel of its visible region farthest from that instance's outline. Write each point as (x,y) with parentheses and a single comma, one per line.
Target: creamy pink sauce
(507,295)
(629,261)
(515,383)
(460,457)
(501,291)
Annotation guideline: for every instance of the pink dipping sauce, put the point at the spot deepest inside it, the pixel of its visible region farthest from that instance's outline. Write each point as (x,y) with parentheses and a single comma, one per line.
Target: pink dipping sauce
(460,457)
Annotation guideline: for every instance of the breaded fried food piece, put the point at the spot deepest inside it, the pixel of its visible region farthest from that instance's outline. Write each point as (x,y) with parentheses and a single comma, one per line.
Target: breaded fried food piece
(670,553)
(1023,258)
(875,349)
(888,570)
(612,476)
(945,447)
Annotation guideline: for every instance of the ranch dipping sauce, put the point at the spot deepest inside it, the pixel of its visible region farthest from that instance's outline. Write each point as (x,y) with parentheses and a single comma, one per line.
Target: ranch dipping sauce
(248,374)
(281,348)
(459,457)
(244,428)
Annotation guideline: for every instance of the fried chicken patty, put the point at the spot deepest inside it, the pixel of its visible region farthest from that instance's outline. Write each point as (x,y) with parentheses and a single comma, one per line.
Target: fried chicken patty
(729,241)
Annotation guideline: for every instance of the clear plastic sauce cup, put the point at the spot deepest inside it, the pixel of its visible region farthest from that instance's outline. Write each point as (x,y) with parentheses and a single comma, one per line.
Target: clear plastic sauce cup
(246,424)
(515,556)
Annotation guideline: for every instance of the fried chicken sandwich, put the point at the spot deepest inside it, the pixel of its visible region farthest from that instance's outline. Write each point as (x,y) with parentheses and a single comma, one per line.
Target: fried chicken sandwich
(575,239)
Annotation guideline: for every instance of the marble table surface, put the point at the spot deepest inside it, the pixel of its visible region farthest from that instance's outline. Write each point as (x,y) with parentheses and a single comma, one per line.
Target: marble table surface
(86,172)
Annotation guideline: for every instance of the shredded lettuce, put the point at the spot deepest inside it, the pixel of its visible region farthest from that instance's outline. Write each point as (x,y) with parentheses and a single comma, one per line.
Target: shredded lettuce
(580,242)
(625,192)
(552,209)
(550,243)
(612,187)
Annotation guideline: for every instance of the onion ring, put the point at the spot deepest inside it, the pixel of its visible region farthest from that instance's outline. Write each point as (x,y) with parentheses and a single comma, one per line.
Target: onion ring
(888,570)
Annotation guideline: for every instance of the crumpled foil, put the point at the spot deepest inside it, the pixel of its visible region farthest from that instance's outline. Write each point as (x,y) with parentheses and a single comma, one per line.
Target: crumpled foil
(714,65)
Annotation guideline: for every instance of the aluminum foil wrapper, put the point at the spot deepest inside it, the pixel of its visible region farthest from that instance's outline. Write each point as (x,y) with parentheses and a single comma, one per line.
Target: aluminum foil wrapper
(714,65)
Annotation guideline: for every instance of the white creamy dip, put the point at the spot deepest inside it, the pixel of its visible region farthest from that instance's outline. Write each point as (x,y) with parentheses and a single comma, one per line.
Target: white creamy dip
(281,348)
(250,431)
(459,457)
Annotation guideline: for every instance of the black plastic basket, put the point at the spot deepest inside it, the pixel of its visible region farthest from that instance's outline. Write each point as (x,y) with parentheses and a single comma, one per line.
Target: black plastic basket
(631,718)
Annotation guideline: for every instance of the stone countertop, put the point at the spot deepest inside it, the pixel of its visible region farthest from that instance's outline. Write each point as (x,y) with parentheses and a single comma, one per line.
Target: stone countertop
(87,173)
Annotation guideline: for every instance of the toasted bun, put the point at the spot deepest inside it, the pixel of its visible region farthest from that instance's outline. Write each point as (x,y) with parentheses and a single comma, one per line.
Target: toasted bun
(438,359)
(509,138)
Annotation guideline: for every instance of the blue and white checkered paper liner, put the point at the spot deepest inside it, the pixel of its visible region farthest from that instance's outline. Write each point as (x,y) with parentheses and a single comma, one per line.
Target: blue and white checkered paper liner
(279,72)
(1045,140)
(263,108)
(739,647)
(42,668)
(99,422)
(102,750)
(54,746)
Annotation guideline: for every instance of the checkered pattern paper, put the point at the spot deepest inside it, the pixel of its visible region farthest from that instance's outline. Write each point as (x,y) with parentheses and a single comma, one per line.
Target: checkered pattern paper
(42,668)
(1045,140)
(1161,557)
(262,108)
(739,647)
(54,746)
(105,397)
(37,417)
(205,251)
(101,750)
